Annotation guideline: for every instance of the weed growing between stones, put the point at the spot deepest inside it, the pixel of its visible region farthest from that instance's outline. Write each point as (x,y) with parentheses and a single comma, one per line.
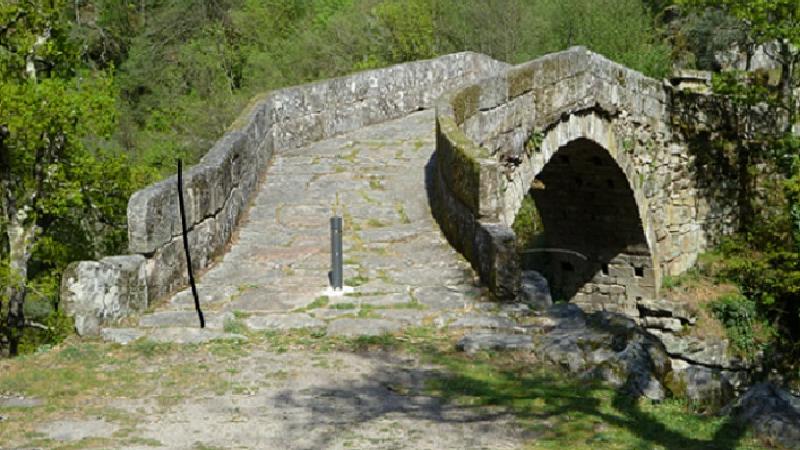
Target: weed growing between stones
(401,211)
(234,325)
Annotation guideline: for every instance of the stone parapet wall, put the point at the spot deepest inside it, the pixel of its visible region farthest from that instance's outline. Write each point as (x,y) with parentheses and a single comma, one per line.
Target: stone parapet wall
(219,187)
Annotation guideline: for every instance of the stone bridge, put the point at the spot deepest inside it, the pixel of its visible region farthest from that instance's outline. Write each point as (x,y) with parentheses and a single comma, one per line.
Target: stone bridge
(601,148)
(615,182)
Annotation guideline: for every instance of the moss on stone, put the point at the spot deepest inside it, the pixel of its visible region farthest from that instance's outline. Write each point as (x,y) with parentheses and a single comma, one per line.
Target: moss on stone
(465,102)
(520,81)
(459,160)
(243,118)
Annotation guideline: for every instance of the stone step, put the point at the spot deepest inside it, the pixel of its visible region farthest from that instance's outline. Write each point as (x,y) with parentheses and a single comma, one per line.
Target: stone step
(168,319)
(177,335)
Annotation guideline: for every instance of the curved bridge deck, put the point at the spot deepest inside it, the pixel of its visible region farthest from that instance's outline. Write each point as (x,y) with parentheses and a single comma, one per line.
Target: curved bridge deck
(274,275)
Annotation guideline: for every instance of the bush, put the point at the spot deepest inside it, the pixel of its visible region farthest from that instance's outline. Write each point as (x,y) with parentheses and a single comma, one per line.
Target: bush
(748,333)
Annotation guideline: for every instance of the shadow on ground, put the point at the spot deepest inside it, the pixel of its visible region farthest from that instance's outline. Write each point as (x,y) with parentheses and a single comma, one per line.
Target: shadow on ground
(550,407)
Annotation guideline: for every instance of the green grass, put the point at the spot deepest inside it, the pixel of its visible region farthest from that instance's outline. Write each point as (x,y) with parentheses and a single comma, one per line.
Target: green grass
(343,306)
(319,302)
(375,223)
(568,413)
(375,183)
(401,211)
(357,280)
(234,325)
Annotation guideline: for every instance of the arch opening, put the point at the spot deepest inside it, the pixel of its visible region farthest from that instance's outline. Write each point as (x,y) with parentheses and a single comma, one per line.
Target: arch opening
(593,249)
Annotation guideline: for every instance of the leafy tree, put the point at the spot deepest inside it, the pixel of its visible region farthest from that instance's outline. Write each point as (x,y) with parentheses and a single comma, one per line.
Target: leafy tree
(55,195)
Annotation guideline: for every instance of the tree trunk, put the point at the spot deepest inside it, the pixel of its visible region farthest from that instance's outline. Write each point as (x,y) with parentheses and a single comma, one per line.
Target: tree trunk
(20,232)
(787,60)
(20,240)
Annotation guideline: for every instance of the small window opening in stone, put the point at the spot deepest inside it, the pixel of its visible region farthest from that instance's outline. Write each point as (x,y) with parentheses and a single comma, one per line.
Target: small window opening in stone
(597,161)
(638,271)
(566,267)
(604,269)
(638,299)
(610,184)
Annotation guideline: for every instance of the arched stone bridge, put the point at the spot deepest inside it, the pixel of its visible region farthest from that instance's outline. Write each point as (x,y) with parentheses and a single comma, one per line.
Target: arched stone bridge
(600,147)
(615,183)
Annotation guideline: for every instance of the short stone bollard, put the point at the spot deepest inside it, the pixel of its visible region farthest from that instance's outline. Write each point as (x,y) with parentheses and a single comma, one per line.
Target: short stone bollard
(336,274)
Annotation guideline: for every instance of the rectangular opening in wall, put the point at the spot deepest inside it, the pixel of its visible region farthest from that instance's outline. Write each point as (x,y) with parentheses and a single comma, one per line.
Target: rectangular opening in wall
(604,269)
(638,271)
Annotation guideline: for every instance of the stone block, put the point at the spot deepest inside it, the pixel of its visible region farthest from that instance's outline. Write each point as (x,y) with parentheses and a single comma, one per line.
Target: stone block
(100,293)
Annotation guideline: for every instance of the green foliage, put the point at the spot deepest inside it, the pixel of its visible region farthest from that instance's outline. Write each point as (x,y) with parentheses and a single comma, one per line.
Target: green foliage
(746,330)
(410,29)
(528,224)
(768,274)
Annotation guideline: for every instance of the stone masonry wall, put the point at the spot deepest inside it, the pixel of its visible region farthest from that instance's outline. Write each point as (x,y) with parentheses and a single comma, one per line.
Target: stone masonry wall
(220,186)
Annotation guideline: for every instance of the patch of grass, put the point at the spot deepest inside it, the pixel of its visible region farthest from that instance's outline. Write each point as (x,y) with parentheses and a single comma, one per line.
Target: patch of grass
(401,211)
(672,282)
(150,349)
(413,304)
(319,302)
(367,198)
(383,275)
(227,349)
(351,261)
(351,157)
(375,183)
(384,341)
(357,280)
(246,287)
(343,306)
(241,314)
(234,325)
(367,311)
(375,223)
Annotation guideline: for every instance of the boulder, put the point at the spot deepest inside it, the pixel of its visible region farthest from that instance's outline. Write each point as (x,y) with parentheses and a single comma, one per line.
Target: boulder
(535,291)
(771,412)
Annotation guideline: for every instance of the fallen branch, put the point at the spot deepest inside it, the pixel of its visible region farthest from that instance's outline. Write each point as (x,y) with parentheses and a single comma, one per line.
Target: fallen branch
(32,324)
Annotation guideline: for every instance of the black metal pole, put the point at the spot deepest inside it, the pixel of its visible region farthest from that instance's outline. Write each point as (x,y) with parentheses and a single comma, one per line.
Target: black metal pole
(337,265)
(186,246)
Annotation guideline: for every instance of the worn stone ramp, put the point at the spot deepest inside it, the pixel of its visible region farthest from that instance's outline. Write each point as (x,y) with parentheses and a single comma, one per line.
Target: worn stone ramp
(274,276)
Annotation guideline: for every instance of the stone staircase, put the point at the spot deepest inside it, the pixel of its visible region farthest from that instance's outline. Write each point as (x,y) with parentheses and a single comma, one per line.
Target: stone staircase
(274,275)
